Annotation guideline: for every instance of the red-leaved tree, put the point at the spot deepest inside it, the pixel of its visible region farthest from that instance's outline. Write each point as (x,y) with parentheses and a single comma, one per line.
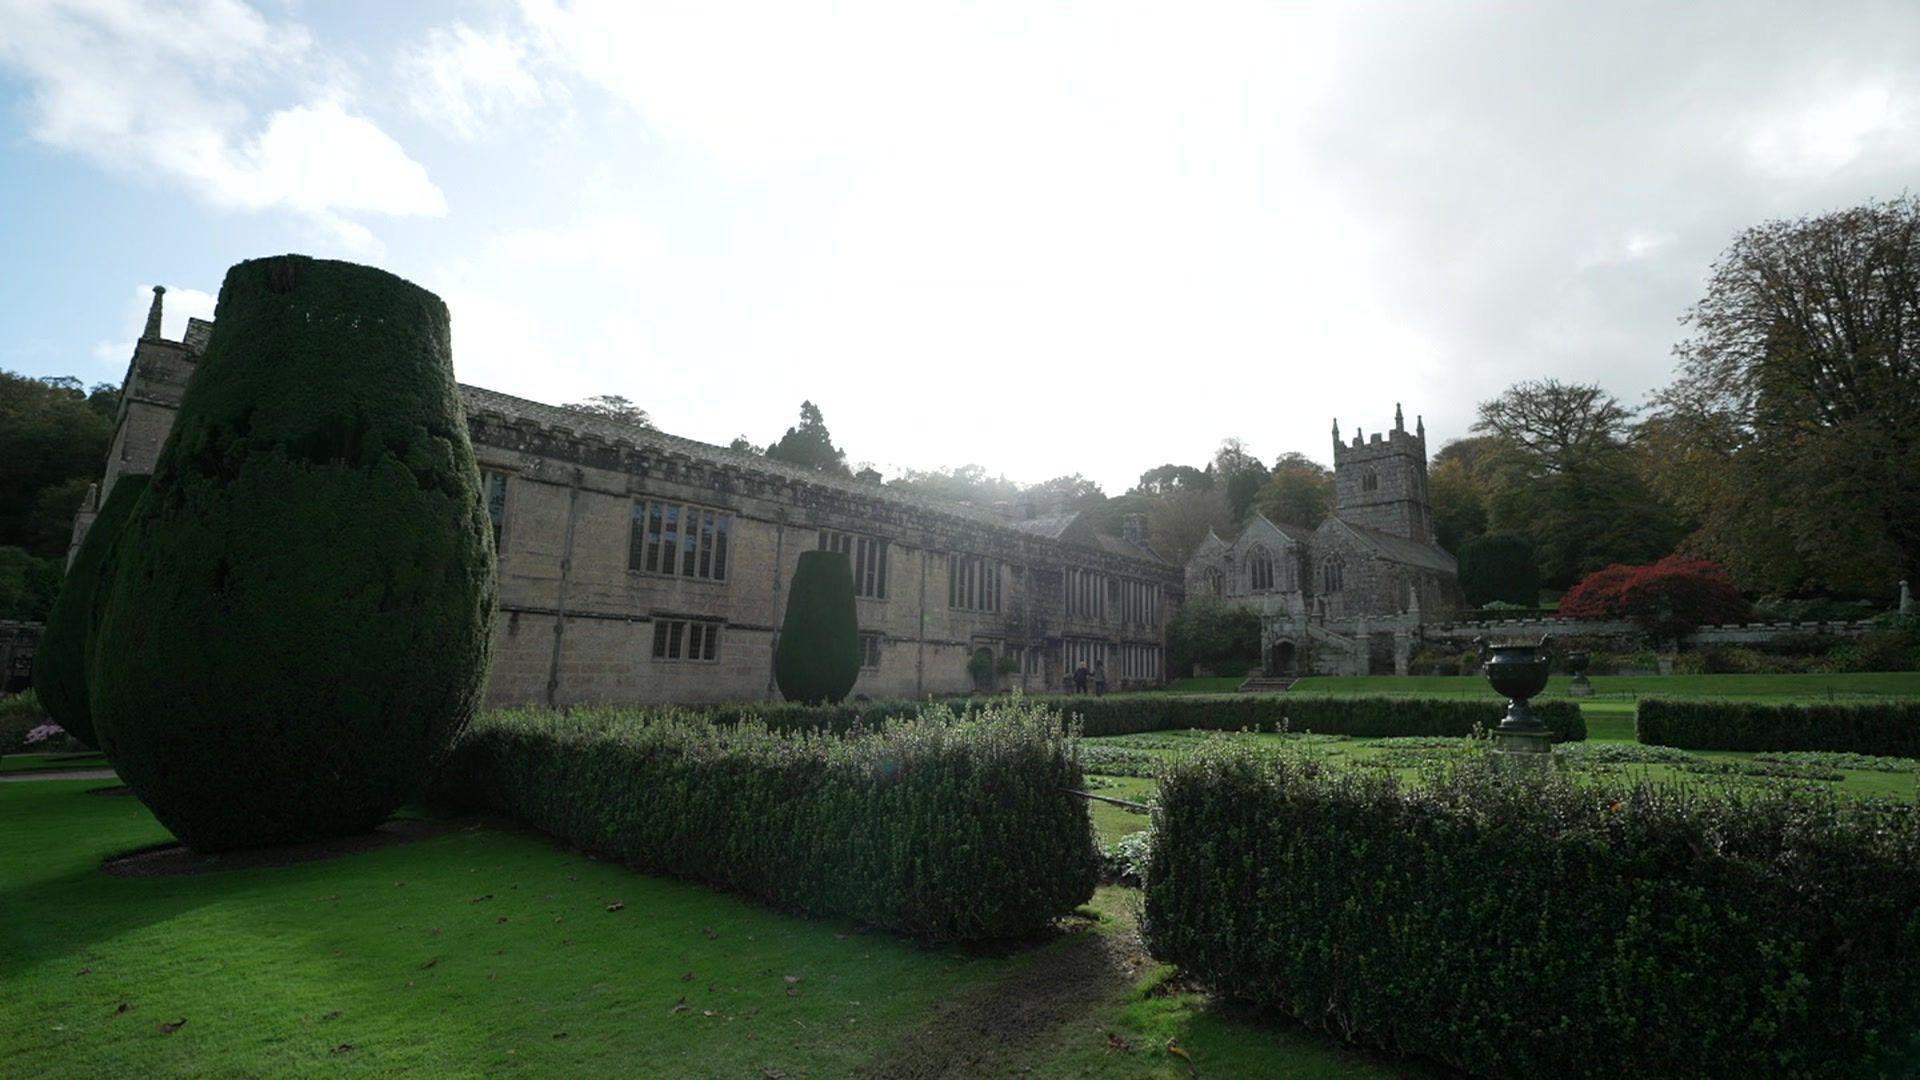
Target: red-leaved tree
(1668,599)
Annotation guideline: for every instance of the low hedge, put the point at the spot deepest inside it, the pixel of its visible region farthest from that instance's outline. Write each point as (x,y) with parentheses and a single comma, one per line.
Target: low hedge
(942,826)
(1524,924)
(1126,714)
(1884,728)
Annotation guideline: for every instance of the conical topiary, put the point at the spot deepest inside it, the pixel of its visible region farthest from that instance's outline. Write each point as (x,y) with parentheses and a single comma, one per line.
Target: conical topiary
(60,663)
(298,625)
(818,658)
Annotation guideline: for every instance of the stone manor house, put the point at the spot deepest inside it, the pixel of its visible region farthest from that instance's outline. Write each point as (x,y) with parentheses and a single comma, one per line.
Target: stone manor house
(636,566)
(1349,597)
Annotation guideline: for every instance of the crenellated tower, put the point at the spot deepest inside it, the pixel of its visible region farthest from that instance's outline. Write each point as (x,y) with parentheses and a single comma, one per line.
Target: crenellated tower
(1381,482)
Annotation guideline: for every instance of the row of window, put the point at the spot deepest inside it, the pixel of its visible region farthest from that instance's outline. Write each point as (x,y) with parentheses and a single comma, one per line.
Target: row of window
(685,540)
(1261,575)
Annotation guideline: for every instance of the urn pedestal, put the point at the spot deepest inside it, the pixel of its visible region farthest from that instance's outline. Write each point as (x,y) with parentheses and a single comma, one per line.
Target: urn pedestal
(1579,685)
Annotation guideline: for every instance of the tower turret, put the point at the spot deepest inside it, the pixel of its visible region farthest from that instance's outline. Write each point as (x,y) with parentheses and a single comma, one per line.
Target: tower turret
(1382,483)
(152,332)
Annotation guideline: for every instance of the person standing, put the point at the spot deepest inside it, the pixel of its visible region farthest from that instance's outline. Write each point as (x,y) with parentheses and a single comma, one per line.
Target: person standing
(1080,678)
(1099,678)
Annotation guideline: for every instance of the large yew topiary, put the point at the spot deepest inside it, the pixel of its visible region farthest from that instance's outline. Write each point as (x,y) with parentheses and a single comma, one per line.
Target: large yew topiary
(818,658)
(60,664)
(299,622)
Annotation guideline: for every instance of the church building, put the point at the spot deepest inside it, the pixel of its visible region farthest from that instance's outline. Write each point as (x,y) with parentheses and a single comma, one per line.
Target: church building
(1349,597)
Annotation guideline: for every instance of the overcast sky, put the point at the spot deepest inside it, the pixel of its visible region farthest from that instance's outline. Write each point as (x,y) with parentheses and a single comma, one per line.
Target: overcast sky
(1043,238)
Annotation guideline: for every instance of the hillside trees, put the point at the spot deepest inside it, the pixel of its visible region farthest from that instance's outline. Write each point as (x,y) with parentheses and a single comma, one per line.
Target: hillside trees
(1298,491)
(53,439)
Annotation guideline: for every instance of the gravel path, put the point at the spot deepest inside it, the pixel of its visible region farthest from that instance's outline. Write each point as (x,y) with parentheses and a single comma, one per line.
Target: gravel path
(58,774)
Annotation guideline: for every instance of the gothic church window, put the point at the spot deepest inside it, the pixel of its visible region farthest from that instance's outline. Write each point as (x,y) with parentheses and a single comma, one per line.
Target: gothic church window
(1332,576)
(681,540)
(1215,582)
(1260,569)
(1370,481)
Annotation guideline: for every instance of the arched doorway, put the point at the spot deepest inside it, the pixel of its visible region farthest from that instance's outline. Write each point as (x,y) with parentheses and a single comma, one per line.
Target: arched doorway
(1282,658)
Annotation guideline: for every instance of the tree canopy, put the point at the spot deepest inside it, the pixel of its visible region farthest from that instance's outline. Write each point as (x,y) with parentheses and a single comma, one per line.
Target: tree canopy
(1299,491)
(613,407)
(53,442)
(809,445)
(1790,432)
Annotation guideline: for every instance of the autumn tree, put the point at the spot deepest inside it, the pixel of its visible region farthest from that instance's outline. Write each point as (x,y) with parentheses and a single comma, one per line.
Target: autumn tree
(1790,430)
(1170,478)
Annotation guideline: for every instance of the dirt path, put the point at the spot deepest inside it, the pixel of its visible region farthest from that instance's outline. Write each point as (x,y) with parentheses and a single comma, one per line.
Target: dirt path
(998,1029)
(58,774)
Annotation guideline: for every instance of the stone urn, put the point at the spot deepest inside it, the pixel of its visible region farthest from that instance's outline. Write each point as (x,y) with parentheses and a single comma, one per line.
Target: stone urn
(1518,672)
(1580,686)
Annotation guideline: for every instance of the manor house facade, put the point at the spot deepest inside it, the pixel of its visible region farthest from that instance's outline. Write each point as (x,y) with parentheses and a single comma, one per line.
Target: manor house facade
(1349,597)
(636,566)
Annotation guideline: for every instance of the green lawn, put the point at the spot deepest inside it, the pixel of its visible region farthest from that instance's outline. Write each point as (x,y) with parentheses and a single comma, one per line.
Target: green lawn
(487,951)
(1619,687)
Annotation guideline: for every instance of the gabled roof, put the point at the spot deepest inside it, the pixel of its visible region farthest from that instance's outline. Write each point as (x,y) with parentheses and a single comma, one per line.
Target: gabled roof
(1292,532)
(1052,526)
(1399,549)
(1120,545)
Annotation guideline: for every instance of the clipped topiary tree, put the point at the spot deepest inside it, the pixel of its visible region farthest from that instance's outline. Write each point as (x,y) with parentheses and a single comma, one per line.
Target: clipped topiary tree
(60,665)
(298,625)
(1499,568)
(818,658)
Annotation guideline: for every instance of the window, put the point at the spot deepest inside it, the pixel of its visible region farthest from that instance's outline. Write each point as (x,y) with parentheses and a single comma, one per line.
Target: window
(869,559)
(1369,481)
(1332,576)
(1260,569)
(494,487)
(973,583)
(1140,662)
(686,639)
(1215,583)
(1087,595)
(870,650)
(673,538)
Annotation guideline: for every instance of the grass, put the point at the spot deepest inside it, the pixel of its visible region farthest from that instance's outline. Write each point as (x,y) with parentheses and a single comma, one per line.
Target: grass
(85,759)
(1605,687)
(489,951)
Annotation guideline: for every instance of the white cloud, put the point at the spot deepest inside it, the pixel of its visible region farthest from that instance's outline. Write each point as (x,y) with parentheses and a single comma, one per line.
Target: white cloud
(462,79)
(167,90)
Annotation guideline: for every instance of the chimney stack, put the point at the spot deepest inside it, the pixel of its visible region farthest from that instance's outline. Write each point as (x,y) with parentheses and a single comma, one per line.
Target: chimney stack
(1134,528)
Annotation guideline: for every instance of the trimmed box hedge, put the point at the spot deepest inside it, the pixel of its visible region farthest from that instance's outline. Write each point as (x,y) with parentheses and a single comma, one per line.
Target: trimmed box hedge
(1126,714)
(940,825)
(1521,924)
(1885,728)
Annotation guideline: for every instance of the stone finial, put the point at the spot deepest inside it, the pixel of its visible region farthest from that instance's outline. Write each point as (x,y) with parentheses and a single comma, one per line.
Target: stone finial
(1906,600)
(1336,431)
(1420,427)
(1399,418)
(153,313)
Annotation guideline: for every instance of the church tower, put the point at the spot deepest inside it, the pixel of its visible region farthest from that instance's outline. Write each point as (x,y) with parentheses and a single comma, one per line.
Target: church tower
(1381,483)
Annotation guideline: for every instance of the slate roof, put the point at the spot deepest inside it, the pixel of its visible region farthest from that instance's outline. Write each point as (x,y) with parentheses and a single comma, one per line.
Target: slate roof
(1401,550)
(481,401)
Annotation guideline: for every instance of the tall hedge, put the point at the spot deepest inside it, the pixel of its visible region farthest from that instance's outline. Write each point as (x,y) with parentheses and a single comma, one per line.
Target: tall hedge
(1887,728)
(818,658)
(940,825)
(1125,714)
(299,623)
(1530,925)
(60,664)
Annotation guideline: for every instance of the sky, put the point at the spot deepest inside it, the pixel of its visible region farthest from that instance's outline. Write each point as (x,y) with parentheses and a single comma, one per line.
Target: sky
(1042,238)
